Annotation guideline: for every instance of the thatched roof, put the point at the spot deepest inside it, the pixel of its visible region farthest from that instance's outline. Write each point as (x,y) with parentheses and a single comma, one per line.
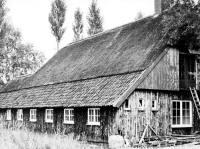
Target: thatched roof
(92,72)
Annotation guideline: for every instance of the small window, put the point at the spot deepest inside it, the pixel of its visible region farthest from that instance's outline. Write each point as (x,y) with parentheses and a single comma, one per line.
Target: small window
(20,115)
(181,114)
(69,116)
(8,114)
(126,105)
(141,104)
(154,105)
(33,115)
(49,116)
(93,116)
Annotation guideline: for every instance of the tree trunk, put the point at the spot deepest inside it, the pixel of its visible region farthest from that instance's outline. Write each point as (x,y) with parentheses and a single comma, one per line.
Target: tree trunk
(57,45)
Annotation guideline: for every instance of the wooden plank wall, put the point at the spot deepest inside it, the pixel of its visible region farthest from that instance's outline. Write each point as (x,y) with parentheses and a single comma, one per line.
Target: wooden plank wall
(79,128)
(165,76)
(132,123)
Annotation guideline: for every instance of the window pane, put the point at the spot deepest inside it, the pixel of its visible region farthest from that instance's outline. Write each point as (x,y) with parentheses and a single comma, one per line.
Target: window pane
(178,112)
(67,112)
(178,105)
(174,105)
(178,120)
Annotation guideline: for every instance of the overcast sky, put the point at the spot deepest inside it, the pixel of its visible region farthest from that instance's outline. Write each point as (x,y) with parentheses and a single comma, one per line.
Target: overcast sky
(31,17)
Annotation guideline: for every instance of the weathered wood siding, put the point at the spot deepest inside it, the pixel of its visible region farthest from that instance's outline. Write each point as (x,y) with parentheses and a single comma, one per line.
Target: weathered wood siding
(132,123)
(165,76)
(79,128)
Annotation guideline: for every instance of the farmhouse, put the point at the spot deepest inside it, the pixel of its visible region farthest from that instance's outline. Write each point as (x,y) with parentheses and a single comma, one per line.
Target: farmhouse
(116,82)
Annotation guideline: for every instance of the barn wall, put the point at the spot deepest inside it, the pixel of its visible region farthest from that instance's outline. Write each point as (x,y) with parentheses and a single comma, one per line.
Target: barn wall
(165,76)
(79,128)
(131,123)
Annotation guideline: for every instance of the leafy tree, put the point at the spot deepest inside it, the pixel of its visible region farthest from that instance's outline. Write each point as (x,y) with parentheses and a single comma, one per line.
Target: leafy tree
(166,4)
(17,58)
(57,19)
(78,25)
(3,11)
(94,19)
(139,16)
(181,25)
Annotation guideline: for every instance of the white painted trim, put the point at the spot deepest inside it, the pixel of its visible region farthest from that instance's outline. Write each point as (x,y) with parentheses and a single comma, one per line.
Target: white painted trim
(20,114)
(65,121)
(8,114)
(181,115)
(48,120)
(33,120)
(127,108)
(93,123)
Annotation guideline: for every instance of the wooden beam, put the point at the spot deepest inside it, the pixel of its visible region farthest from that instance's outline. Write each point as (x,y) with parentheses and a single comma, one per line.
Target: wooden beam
(139,80)
(142,138)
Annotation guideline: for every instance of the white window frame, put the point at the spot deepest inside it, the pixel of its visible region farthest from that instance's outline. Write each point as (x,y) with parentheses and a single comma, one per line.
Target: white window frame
(20,114)
(8,114)
(155,107)
(94,117)
(47,120)
(181,114)
(142,107)
(125,103)
(33,115)
(69,116)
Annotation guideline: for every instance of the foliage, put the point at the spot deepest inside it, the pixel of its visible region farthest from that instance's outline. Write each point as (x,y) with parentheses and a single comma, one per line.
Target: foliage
(57,19)
(181,25)
(139,16)
(94,19)
(17,58)
(3,11)
(166,4)
(78,25)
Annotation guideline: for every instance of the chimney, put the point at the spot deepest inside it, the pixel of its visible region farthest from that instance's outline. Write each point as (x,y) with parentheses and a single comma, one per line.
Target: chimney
(157,6)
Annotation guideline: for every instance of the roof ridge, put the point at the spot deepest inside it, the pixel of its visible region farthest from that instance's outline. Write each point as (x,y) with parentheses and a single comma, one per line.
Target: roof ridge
(106,31)
(80,80)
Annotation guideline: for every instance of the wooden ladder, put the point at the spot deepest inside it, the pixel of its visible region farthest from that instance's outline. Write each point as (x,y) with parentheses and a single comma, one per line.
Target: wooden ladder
(195,98)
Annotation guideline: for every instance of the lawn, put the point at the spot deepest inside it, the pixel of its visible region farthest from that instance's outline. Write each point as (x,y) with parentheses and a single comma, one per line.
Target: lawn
(24,139)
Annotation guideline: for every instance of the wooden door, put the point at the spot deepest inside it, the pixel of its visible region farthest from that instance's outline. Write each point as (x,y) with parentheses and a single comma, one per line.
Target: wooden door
(187,71)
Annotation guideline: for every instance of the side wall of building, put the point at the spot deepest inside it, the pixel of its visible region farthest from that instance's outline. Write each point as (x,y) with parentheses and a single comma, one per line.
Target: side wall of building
(165,76)
(132,122)
(96,133)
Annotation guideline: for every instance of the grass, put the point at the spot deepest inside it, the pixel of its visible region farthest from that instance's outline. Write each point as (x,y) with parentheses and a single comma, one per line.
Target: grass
(24,139)
(16,138)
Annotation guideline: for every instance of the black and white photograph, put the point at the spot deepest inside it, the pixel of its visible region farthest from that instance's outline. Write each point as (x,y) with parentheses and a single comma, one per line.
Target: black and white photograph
(99,74)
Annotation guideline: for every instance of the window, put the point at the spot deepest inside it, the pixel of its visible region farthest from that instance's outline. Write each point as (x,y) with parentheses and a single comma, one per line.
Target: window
(20,115)
(154,104)
(69,116)
(126,105)
(141,104)
(93,116)
(33,113)
(8,114)
(181,114)
(49,116)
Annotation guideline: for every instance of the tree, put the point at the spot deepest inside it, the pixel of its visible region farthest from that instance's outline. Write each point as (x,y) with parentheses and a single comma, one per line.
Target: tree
(94,19)
(166,4)
(139,16)
(17,58)
(181,25)
(3,11)
(78,25)
(57,19)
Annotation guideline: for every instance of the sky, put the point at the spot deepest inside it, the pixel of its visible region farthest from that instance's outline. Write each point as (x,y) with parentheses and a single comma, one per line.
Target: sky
(31,18)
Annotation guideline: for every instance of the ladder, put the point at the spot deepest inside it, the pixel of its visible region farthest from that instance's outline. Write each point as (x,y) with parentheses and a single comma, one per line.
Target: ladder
(195,98)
